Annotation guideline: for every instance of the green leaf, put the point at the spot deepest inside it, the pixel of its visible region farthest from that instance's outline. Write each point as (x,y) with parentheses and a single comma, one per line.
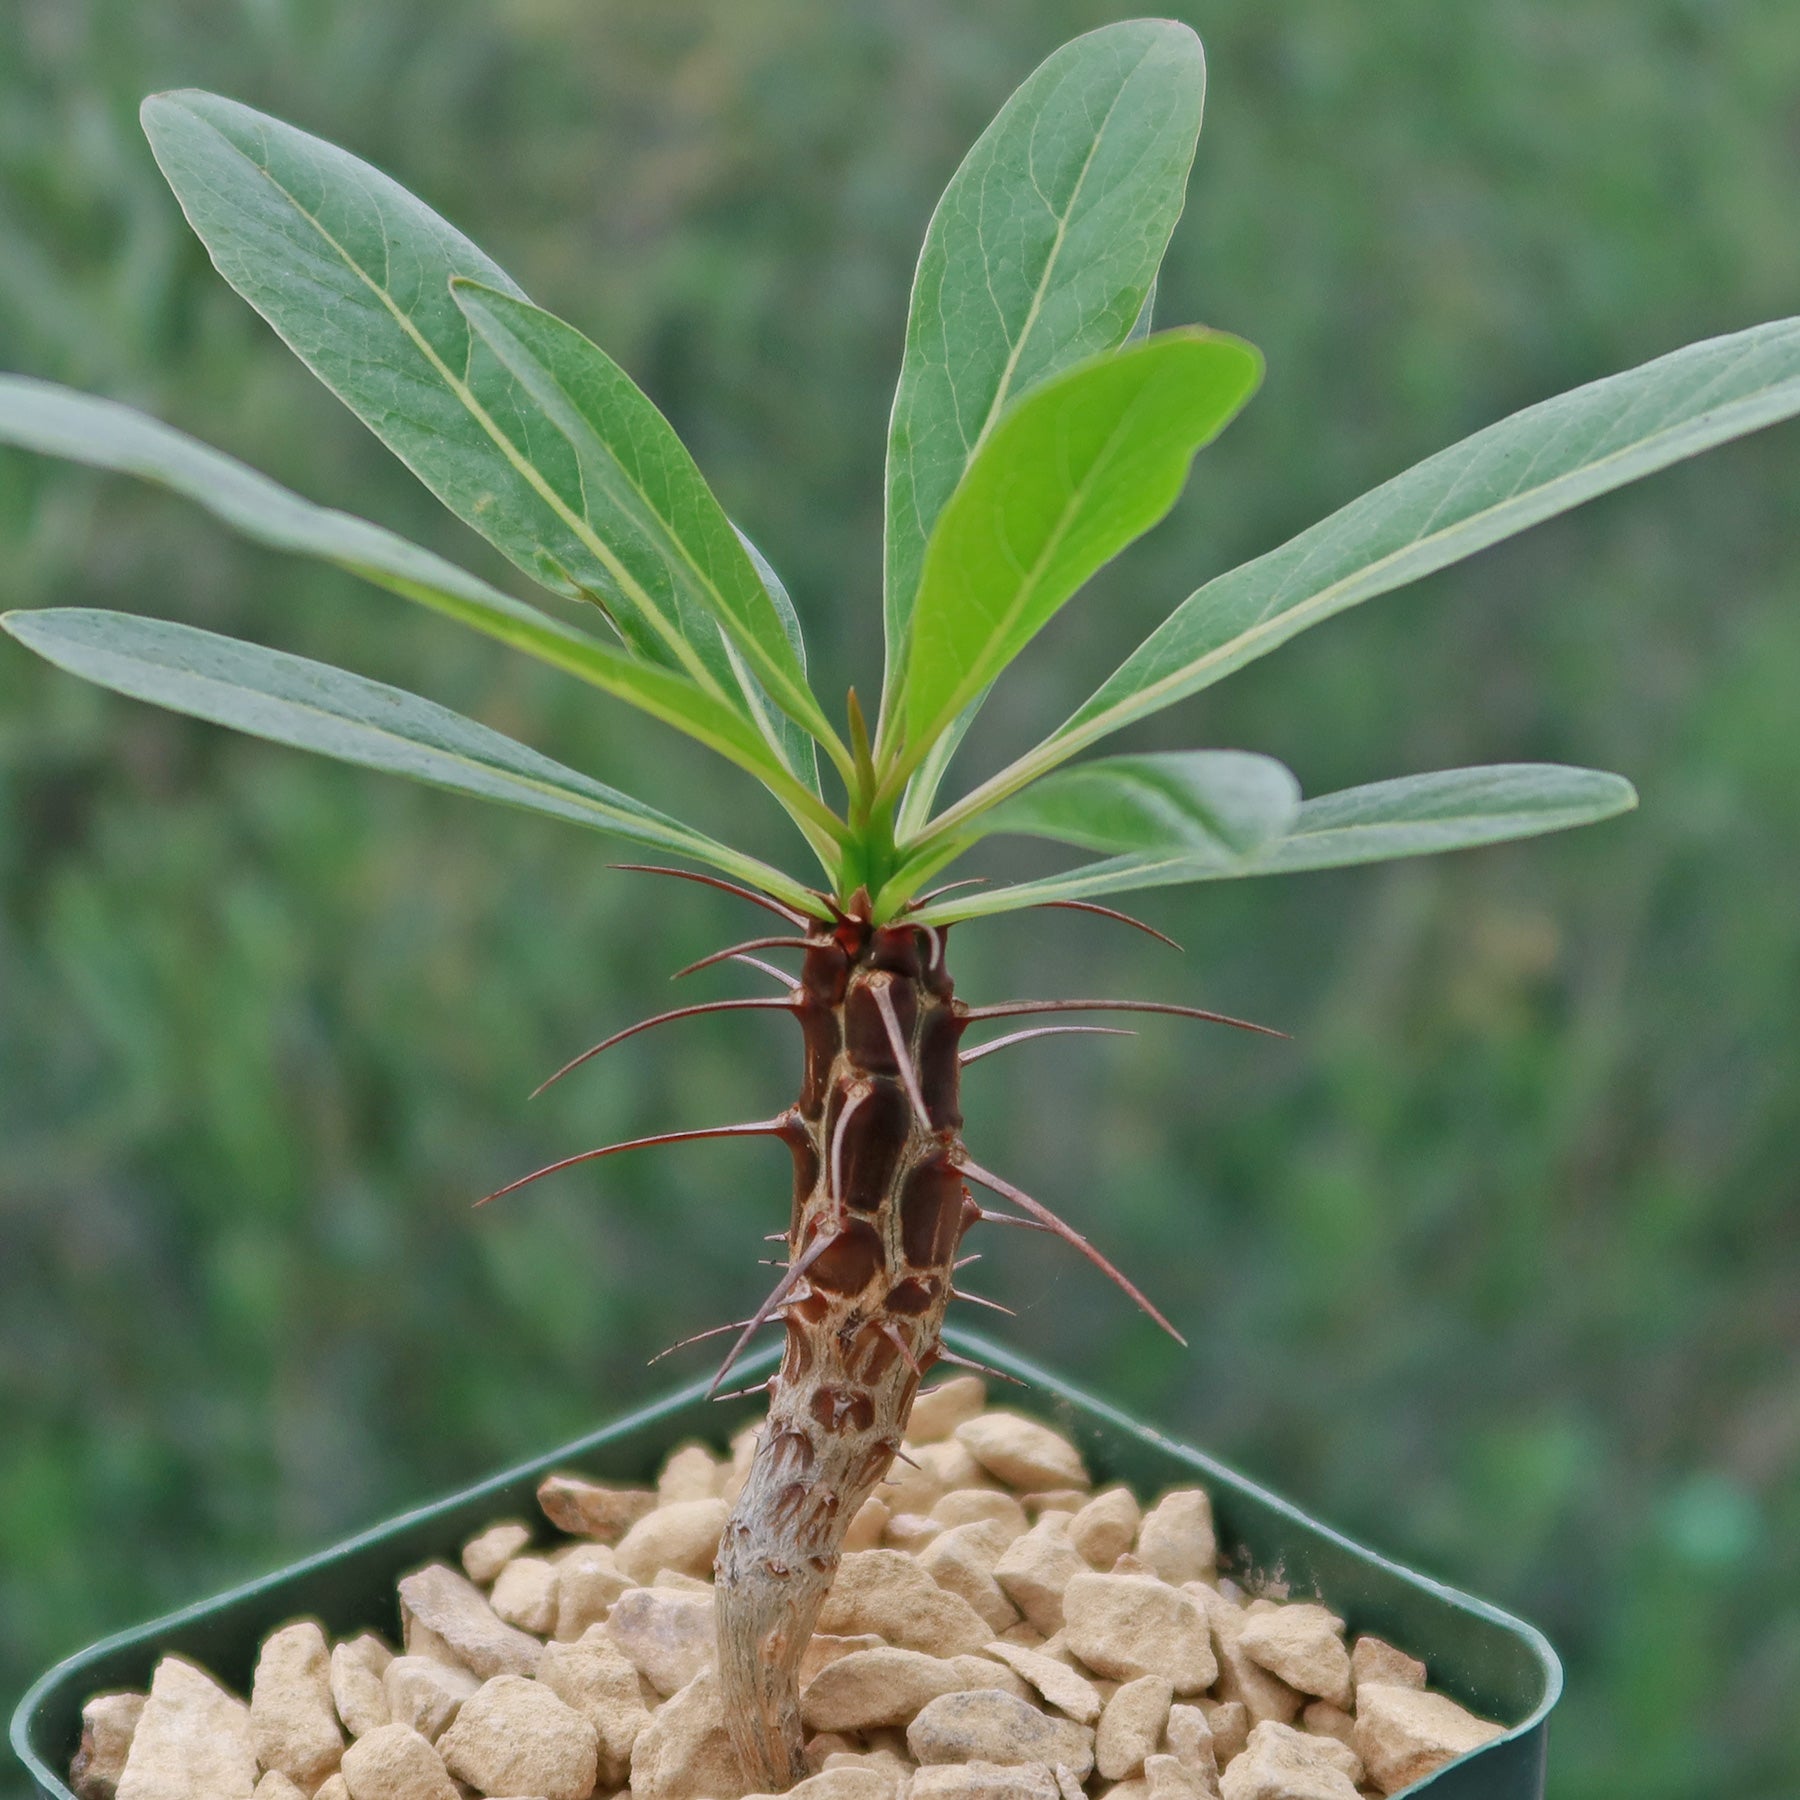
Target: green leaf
(667,544)
(794,744)
(1185,803)
(54,421)
(1416,815)
(1526,468)
(1076,469)
(311,706)
(1041,252)
(354,274)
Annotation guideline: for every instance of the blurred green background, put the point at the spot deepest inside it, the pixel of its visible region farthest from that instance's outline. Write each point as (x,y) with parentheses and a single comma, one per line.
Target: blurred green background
(1496,1264)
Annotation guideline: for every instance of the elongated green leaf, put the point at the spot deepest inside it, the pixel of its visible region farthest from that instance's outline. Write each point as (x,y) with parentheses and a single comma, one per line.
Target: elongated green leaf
(797,748)
(354,274)
(1075,470)
(1526,468)
(37,415)
(1185,803)
(1416,815)
(1041,252)
(312,706)
(669,547)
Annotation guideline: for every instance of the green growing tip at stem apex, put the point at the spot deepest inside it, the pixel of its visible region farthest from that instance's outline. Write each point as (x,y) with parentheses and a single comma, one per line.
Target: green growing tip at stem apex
(1039,427)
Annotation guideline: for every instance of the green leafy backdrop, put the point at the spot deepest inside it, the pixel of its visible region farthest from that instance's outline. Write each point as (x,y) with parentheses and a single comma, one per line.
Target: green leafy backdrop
(1494,1264)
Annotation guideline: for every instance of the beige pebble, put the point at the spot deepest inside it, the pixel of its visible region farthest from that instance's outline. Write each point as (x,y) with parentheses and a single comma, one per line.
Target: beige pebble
(989,1726)
(107,1724)
(1280,1763)
(1325,1720)
(588,1585)
(357,1666)
(937,1411)
(1132,1726)
(889,1594)
(292,1717)
(867,1528)
(424,1693)
(1303,1645)
(683,1536)
(1022,1453)
(1065,1689)
(667,1634)
(985,1672)
(395,1763)
(845,1782)
(1372,1659)
(823,1745)
(193,1740)
(1125,1626)
(277,1786)
(1034,1570)
(524,1594)
(1230,1722)
(871,1688)
(597,1679)
(981,1506)
(334,1787)
(1049,1500)
(1167,1777)
(1106,1527)
(691,1473)
(488,1552)
(1402,1735)
(736,1471)
(985,1781)
(587,1509)
(518,1737)
(684,1752)
(961,1561)
(823,1649)
(1189,1736)
(1176,1537)
(910,1532)
(1241,1677)
(450,1606)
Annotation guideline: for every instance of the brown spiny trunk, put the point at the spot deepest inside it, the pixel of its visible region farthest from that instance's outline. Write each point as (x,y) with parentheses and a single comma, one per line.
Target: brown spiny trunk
(879,1209)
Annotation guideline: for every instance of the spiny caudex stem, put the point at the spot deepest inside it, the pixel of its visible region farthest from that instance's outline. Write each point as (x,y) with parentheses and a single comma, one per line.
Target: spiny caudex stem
(879,1211)
(880,1208)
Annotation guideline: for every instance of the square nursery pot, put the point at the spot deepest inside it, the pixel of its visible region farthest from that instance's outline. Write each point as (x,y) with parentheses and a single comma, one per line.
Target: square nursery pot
(1495,1664)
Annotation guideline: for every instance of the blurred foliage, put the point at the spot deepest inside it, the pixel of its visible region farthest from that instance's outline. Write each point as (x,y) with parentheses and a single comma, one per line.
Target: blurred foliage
(1495,1264)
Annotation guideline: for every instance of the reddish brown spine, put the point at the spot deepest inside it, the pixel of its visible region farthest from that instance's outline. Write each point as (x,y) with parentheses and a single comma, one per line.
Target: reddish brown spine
(879,1210)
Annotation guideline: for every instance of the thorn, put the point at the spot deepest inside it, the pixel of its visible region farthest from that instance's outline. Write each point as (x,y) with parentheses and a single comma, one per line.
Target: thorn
(835,1168)
(900,1455)
(949,887)
(962,1262)
(776,1237)
(1038,1031)
(891,1332)
(963,1362)
(909,1076)
(727,887)
(699,1337)
(1012,1009)
(756,1387)
(955,1294)
(1067,1232)
(768,968)
(762,943)
(777,1294)
(1107,912)
(760,1128)
(680,1012)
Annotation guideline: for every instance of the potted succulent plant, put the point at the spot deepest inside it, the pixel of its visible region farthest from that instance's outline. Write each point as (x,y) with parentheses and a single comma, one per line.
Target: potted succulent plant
(1039,426)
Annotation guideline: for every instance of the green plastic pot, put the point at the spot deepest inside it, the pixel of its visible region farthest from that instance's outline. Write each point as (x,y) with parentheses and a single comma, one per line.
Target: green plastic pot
(1493,1663)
